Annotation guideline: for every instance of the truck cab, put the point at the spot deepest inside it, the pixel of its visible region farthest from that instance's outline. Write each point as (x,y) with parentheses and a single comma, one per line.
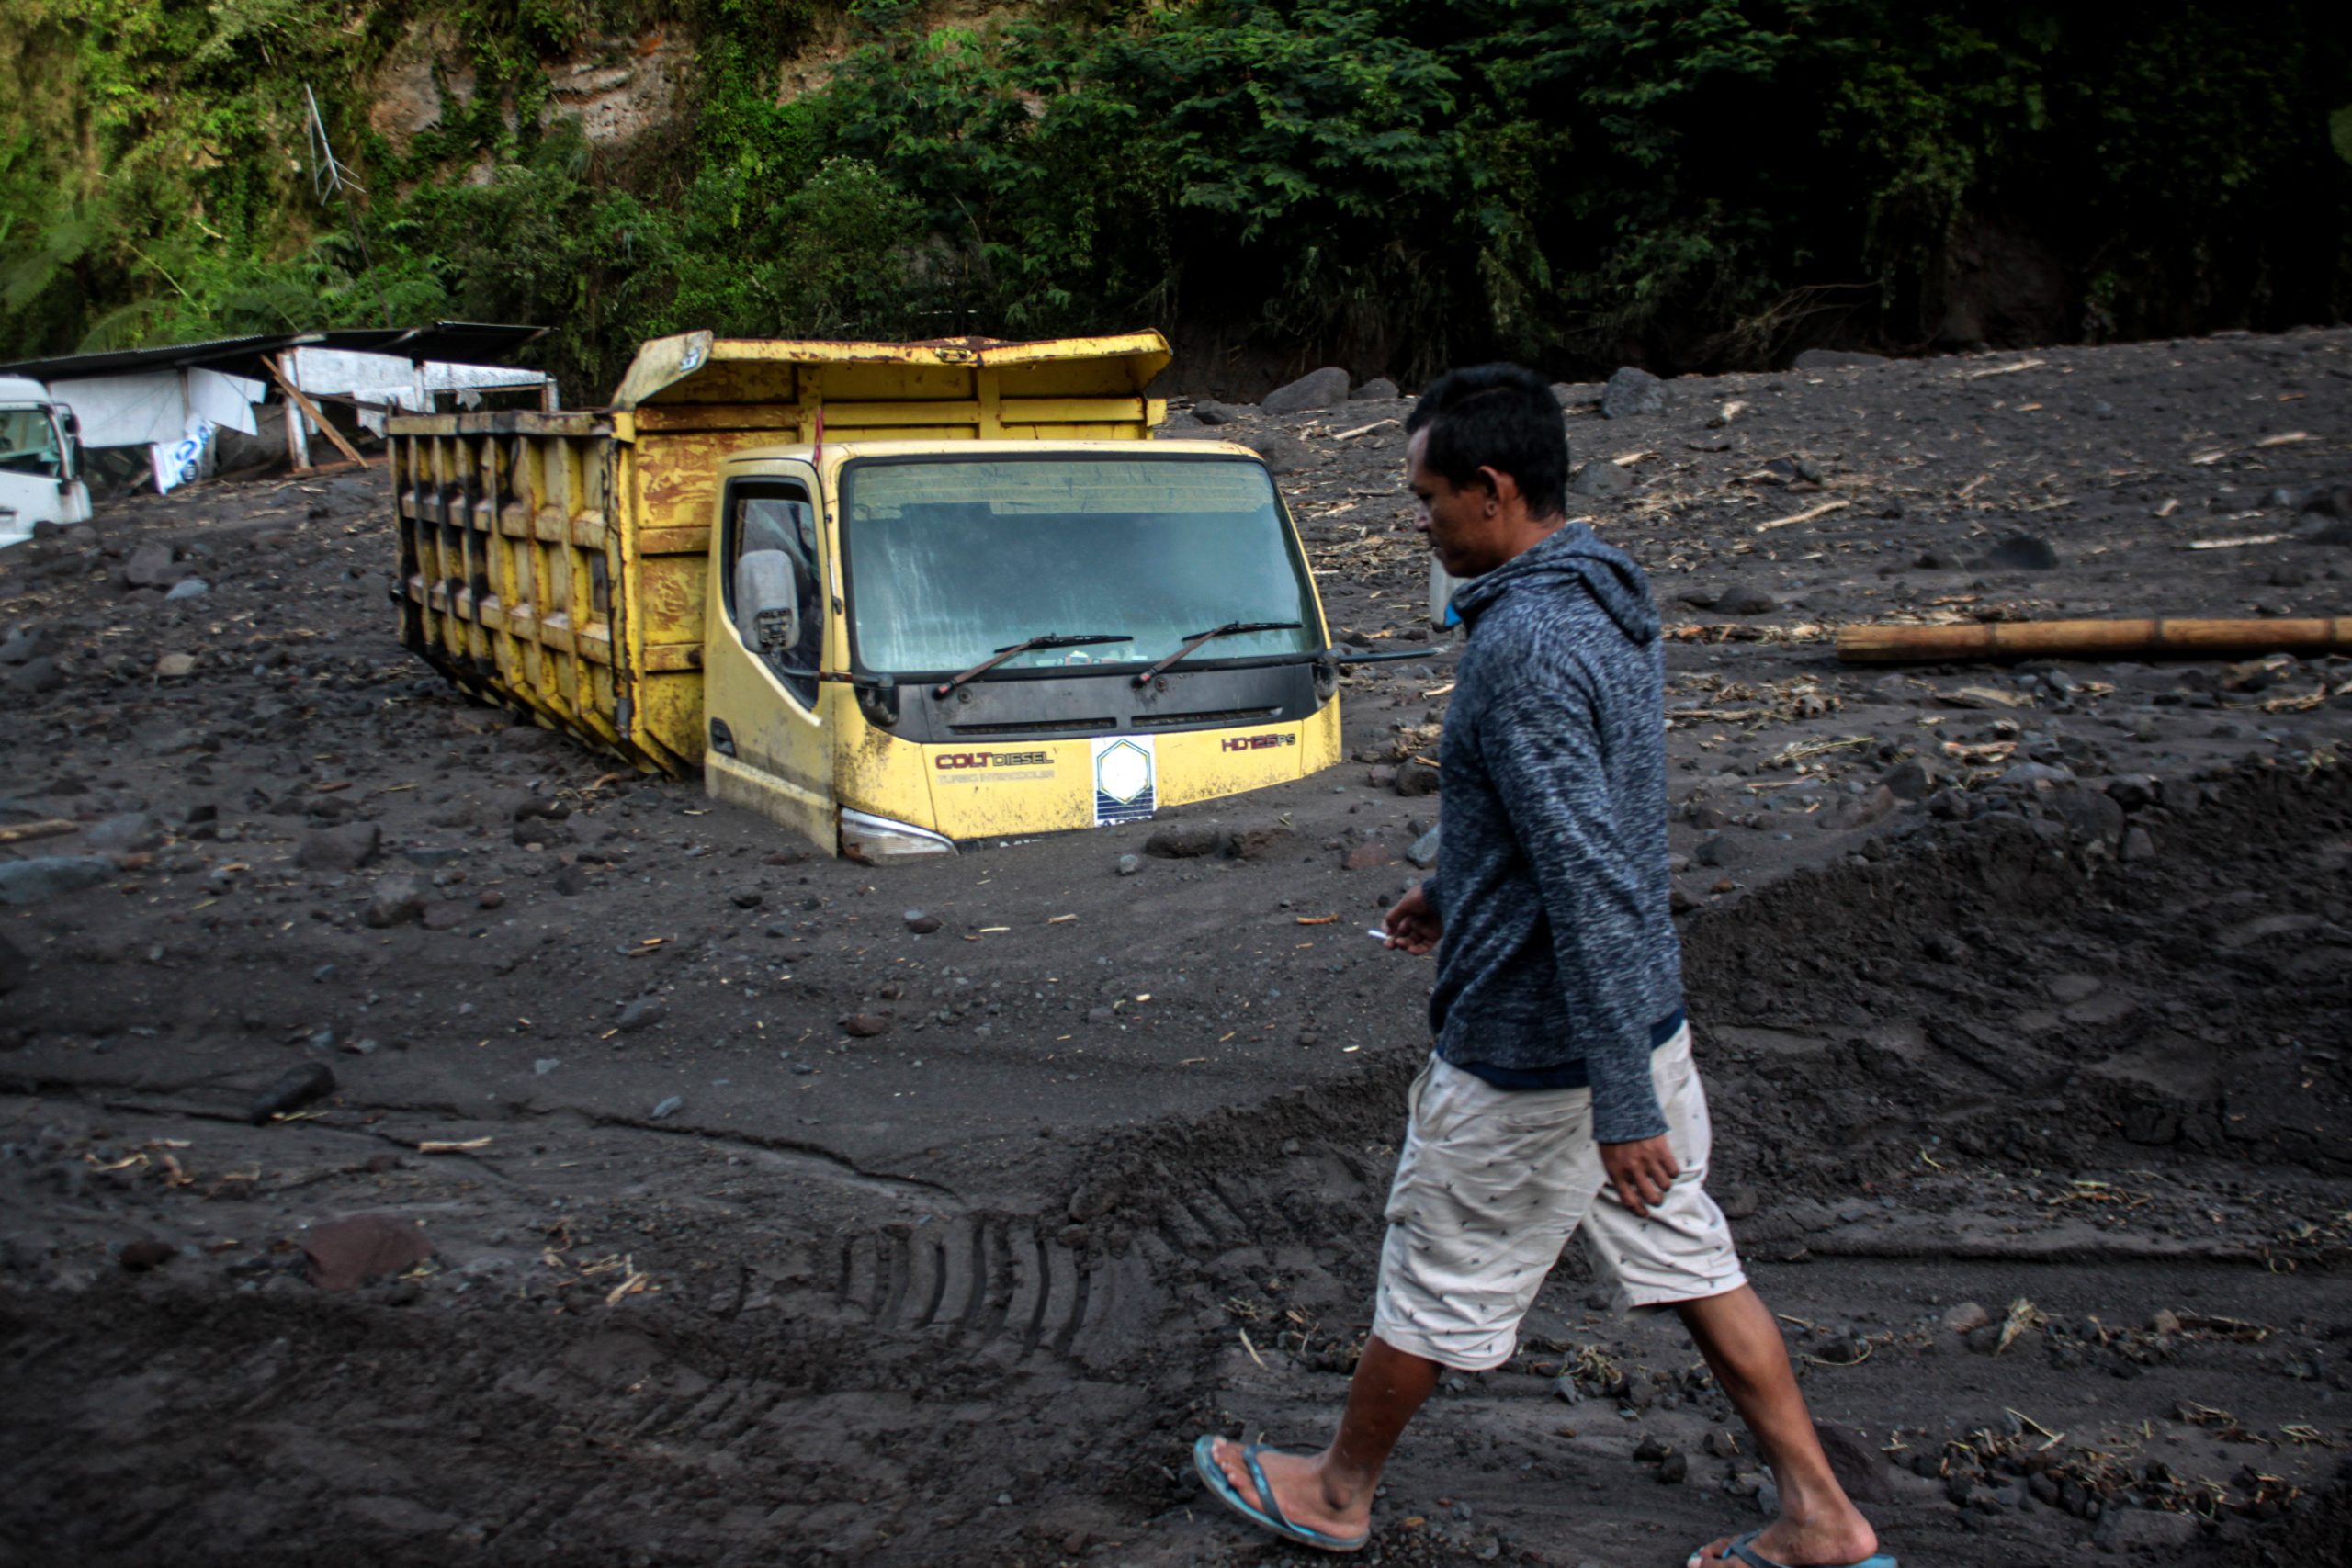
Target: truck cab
(927,643)
(40,461)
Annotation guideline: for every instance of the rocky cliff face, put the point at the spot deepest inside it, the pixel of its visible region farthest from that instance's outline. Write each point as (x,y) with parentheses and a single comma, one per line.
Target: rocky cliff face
(619,86)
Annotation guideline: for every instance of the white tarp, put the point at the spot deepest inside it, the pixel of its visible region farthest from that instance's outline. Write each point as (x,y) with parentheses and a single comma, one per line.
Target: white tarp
(388,379)
(151,408)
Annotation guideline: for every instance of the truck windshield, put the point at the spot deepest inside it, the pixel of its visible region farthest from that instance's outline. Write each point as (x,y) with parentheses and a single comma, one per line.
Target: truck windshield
(950,561)
(28,442)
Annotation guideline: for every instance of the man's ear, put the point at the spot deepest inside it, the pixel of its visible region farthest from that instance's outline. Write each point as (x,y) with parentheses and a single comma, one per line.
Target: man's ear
(1503,486)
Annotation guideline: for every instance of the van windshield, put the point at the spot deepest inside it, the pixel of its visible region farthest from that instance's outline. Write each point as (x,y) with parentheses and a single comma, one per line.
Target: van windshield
(28,442)
(951,559)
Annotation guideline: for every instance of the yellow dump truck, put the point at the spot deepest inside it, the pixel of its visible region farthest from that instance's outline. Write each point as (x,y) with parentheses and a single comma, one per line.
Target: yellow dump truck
(891,595)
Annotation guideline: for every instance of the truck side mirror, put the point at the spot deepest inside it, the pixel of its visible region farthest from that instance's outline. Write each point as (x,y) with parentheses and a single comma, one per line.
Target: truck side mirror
(767,601)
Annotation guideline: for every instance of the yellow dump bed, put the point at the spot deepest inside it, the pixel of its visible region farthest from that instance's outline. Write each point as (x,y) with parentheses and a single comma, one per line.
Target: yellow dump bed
(560,561)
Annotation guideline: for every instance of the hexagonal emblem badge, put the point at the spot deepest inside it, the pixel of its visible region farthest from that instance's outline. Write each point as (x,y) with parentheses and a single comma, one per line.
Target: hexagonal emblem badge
(1125,779)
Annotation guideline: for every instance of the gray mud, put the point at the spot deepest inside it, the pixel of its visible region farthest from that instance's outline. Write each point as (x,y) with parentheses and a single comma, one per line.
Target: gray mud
(717,1280)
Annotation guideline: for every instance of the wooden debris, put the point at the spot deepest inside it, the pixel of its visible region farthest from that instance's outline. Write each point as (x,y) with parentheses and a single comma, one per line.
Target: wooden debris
(2005,369)
(1824,510)
(2235,543)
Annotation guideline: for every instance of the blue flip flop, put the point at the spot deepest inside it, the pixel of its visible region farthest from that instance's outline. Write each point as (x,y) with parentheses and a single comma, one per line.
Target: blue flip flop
(1742,1551)
(1270,1516)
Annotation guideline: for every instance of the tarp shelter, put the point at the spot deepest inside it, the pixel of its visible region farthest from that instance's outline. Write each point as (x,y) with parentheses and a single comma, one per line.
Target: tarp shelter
(171,398)
(172,412)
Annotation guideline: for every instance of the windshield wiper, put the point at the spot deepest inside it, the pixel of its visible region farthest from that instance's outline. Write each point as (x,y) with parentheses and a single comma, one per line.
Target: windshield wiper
(1230,629)
(1051,640)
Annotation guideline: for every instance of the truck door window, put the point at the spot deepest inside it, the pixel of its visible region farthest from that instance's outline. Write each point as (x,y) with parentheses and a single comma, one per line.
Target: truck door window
(28,442)
(775,515)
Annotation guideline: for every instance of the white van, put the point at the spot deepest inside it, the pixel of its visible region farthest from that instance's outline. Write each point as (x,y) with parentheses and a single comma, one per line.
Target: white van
(40,461)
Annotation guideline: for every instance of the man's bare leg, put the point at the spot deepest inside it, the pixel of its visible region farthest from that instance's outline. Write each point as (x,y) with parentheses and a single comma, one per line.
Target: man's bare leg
(1742,1344)
(1332,1491)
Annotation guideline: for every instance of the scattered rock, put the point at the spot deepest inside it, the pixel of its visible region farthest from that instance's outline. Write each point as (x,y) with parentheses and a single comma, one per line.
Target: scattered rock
(1963,1318)
(1284,453)
(1674,1470)
(46,876)
(345,1254)
(1186,840)
(1912,779)
(1368,857)
(1380,389)
(174,666)
(2023,552)
(1599,480)
(2139,846)
(747,897)
(1416,779)
(865,1025)
(294,1088)
(2090,815)
(35,676)
(668,1107)
(920,921)
(152,566)
(188,588)
(24,645)
(1424,851)
(138,1257)
(1632,391)
(1744,599)
(1324,388)
(396,901)
(1129,864)
(14,966)
(643,1012)
(1209,412)
(346,847)
(1949,806)
(1265,844)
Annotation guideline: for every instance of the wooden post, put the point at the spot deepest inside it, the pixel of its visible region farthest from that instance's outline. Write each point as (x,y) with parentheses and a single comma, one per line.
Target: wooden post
(298,449)
(294,395)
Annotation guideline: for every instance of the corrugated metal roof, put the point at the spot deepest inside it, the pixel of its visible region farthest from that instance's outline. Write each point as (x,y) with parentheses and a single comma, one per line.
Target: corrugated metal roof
(468,342)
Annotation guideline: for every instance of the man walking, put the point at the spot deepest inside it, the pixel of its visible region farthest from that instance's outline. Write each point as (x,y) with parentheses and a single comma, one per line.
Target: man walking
(1561,1093)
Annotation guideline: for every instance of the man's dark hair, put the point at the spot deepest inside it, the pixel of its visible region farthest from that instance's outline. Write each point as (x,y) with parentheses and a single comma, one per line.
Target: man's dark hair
(1497,416)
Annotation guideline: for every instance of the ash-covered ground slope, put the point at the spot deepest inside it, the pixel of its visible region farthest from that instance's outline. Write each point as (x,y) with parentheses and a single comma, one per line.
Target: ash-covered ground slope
(764,1229)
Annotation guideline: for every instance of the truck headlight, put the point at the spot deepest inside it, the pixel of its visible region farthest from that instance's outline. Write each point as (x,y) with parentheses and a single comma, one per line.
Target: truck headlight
(877,840)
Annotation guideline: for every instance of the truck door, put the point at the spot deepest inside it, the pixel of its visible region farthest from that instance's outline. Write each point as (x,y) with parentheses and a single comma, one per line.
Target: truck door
(768,747)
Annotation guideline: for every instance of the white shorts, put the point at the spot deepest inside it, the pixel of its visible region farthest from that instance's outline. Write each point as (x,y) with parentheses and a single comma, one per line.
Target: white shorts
(1489,1186)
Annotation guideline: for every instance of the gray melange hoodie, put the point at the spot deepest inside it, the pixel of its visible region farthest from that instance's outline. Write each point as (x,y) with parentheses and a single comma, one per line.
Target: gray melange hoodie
(1559,965)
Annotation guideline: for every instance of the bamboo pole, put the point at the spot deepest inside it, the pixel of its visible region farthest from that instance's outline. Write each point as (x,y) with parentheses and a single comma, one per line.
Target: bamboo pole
(2159,636)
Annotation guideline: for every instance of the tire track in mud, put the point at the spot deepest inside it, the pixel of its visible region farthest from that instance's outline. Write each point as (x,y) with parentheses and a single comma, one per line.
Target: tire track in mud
(841,1398)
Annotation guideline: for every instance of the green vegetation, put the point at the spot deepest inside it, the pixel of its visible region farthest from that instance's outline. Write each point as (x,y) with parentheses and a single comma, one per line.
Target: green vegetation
(1577,182)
